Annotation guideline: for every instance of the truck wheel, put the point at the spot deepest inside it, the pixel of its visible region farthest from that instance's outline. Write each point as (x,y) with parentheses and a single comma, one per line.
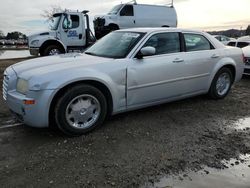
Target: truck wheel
(52,50)
(81,109)
(113,27)
(221,84)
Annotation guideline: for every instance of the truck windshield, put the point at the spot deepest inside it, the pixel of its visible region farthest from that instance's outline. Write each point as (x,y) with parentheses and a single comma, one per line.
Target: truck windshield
(115,45)
(115,9)
(54,22)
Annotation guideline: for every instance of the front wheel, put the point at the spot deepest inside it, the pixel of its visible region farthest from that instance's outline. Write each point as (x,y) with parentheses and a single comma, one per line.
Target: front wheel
(80,110)
(221,84)
(52,50)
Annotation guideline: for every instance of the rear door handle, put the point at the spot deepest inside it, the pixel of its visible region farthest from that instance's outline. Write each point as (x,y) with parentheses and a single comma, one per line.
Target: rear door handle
(215,56)
(178,60)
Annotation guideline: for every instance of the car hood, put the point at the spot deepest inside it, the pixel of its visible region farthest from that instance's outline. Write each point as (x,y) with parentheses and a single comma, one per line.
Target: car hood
(56,64)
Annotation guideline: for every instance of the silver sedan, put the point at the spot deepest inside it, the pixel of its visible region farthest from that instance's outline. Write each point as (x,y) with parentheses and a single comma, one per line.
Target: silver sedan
(125,70)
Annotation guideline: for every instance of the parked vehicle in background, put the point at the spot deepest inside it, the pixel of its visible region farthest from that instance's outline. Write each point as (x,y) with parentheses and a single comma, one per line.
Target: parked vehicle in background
(134,15)
(69,31)
(241,42)
(224,39)
(125,70)
(246,51)
(2,42)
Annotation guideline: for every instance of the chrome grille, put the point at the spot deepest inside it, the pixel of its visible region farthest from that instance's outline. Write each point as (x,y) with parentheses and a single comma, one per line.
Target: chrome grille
(5,86)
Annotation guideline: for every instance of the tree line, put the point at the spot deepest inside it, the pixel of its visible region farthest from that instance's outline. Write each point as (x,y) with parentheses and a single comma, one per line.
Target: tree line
(12,35)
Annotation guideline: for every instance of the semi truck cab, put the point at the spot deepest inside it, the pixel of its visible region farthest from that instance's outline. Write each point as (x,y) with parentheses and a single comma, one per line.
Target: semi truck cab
(69,31)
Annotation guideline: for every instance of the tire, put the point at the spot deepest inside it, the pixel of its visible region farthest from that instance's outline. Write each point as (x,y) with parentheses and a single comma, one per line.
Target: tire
(81,109)
(113,27)
(219,89)
(52,50)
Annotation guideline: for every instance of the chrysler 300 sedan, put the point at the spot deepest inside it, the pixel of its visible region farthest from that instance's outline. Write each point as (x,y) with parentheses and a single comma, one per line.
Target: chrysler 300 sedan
(125,70)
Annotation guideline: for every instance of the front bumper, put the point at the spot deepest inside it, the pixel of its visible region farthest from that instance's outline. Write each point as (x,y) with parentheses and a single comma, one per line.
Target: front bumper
(35,115)
(247,70)
(34,51)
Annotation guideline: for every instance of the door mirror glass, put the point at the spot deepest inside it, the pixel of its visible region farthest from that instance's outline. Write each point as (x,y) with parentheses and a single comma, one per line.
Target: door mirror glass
(146,51)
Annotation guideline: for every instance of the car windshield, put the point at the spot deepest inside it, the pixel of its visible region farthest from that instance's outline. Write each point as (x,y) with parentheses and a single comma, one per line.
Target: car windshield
(54,22)
(115,9)
(115,45)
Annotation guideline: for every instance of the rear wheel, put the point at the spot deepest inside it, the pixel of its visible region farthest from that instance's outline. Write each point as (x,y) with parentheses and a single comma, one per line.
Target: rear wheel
(80,110)
(221,84)
(52,50)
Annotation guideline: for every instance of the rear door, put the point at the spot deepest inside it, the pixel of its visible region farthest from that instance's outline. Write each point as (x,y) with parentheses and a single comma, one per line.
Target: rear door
(200,59)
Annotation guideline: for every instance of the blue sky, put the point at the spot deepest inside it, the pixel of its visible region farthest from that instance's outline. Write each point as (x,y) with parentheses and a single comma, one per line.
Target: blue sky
(25,15)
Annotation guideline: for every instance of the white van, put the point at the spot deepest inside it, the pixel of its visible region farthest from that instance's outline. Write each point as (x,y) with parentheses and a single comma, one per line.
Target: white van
(135,15)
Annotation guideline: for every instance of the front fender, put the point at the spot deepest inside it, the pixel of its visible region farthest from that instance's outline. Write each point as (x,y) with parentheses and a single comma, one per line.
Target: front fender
(117,87)
(51,39)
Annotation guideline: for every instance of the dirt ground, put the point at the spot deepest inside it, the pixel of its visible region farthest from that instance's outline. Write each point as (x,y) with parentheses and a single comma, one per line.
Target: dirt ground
(130,150)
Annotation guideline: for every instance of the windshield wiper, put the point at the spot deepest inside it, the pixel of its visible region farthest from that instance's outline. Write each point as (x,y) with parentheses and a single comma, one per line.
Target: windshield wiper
(90,53)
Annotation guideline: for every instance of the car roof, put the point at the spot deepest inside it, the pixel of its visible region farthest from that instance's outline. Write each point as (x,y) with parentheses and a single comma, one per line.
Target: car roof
(158,29)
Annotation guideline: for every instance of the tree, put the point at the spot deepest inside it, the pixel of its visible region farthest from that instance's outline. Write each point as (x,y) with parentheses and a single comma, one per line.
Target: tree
(48,14)
(16,35)
(248,30)
(2,35)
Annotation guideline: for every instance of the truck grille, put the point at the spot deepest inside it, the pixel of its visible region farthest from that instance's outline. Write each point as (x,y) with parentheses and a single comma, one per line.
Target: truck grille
(99,22)
(5,86)
(247,61)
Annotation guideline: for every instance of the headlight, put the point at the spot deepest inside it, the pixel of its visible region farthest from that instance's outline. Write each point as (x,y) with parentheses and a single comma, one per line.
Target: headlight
(34,43)
(22,86)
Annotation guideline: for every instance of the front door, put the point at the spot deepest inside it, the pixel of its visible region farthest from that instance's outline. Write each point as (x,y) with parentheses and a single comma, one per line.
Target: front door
(127,17)
(158,77)
(72,33)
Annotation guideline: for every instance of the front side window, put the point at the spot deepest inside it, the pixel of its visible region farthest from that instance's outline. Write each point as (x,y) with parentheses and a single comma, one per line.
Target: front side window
(115,44)
(164,43)
(195,42)
(127,10)
(71,22)
(231,44)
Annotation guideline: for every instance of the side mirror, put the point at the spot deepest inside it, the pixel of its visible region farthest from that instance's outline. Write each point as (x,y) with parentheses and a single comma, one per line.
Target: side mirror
(146,51)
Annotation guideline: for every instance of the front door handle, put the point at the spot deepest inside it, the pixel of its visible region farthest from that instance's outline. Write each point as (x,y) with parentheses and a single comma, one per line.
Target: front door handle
(215,56)
(178,60)
(80,36)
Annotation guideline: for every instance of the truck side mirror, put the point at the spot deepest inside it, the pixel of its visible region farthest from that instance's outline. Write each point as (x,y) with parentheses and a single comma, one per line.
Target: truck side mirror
(67,23)
(146,51)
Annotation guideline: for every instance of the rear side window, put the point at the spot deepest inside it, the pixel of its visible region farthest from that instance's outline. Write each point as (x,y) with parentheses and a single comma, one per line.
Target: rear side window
(127,10)
(242,44)
(196,42)
(164,43)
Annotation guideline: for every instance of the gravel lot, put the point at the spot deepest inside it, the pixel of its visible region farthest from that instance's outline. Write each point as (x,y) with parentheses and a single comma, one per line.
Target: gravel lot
(130,150)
